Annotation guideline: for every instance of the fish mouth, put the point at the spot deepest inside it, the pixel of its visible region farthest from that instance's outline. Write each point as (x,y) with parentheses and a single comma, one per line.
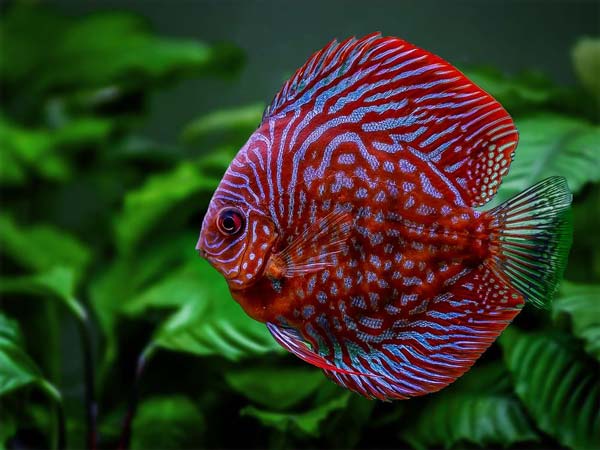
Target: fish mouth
(259,273)
(239,282)
(237,279)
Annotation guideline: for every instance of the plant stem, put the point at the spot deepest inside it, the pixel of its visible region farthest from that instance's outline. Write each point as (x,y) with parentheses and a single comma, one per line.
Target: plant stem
(59,430)
(62,429)
(91,406)
(125,437)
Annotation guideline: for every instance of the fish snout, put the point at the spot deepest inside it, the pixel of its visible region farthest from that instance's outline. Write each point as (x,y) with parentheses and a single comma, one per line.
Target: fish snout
(200,249)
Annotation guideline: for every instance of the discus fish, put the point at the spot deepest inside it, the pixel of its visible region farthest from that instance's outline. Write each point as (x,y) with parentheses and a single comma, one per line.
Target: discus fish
(348,223)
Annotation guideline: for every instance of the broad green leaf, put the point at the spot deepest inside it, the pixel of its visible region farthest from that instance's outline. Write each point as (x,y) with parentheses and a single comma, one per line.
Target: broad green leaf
(17,369)
(275,387)
(194,282)
(44,151)
(236,124)
(156,199)
(482,419)
(56,283)
(306,422)
(128,276)
(41,247)
(581,303)
(28,151)
(586,60)
(111,47)
(557,383)
(214,164)
(584,261)
(521,92)
(209,322)
(26,32)
(10,331)
(98,50)
(552,144)
(479,409)
(167,423)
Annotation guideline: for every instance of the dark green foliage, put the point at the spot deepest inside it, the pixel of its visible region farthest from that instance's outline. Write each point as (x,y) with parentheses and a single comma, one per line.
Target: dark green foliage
(480,408)
(552,144)
(558,385)
(168,422)
(581,305)
(99,271)
(274,386)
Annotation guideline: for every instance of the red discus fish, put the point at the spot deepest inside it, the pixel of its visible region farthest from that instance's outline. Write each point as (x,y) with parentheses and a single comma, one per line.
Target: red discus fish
(347,222)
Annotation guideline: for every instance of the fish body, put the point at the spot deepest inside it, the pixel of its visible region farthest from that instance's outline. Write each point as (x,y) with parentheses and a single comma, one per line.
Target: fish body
(348,222)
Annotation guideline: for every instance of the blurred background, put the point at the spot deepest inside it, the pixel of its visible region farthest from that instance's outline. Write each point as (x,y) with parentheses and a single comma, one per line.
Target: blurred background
(117,120)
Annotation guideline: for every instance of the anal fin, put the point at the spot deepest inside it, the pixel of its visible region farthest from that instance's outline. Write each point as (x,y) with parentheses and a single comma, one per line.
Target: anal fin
(436,346)
(292,341)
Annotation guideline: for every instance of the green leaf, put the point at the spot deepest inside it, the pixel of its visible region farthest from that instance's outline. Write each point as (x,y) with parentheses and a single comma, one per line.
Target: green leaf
(581,304)
(42,247)
(57,283)
(209,322)
(552,144)
(236,124)
(557,383)
(484,420)
(479,409)
(43,151)
(17,369)
(584,262)
(306,423)
(128,276)
(28,151)
(10,331)
(167,423)
(586,60)
(194,282)
(98,50)
(525,91)
(275,387)
(26,32)
(156,200)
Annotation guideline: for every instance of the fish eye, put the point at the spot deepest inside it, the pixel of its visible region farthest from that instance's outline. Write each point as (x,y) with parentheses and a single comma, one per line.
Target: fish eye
(230,221)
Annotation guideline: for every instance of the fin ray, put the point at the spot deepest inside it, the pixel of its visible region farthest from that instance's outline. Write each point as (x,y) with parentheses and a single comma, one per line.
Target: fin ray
(292,341)
(532,238)
(316,247)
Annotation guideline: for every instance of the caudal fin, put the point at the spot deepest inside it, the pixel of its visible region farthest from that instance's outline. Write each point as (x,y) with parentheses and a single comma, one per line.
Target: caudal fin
(531,239)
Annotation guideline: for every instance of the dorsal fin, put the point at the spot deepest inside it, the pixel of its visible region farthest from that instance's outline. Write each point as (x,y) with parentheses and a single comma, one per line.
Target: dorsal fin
(401,99)
(332,61)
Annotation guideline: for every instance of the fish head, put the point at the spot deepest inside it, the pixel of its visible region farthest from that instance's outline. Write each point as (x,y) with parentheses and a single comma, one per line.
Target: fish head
(236,238)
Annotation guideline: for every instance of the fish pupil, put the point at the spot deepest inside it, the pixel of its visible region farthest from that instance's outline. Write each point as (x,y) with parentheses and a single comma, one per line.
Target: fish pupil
(230,221)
